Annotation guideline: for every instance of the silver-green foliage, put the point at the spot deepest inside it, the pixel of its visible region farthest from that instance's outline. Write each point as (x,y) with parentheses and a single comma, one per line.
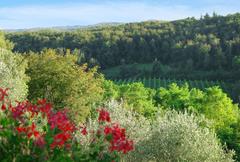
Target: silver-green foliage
(180,137)
(137,126)
(172,137)
(12,74)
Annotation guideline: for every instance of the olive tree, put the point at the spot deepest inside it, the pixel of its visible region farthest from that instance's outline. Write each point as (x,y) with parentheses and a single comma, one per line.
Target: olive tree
(12,74)
(180,137)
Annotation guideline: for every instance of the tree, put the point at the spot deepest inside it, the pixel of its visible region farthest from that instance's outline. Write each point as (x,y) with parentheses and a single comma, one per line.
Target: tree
(180,137)
(157,68)
(236,62)
(111,90)
(219,107)
(213,103)
(139,98)
(6,44)
(175,97)
(190,47)
(66,84)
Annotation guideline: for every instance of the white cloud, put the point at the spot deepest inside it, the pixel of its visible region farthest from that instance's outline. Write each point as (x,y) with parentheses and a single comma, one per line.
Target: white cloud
(85,14)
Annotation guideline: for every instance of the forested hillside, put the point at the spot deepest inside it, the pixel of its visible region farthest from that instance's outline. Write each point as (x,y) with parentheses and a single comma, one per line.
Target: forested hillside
(176,99)
(211,43)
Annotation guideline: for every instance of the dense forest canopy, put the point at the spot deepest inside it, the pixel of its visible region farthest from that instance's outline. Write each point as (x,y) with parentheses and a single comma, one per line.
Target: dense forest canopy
(208,43)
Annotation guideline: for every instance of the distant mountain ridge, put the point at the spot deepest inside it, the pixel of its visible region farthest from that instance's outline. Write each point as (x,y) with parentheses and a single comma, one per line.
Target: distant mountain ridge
(66,28)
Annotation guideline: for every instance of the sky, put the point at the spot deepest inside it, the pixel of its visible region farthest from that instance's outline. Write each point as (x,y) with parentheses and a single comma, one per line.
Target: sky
(21,14)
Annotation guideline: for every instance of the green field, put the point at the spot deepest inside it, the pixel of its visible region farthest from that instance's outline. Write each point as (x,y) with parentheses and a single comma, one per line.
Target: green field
(115,72)
(163,82)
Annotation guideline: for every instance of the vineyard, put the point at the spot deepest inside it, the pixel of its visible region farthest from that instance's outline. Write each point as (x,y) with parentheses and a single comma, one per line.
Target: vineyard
(156,83)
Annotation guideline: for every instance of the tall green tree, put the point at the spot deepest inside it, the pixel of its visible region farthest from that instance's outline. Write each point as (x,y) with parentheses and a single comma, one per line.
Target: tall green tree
(4,43)
(64,83)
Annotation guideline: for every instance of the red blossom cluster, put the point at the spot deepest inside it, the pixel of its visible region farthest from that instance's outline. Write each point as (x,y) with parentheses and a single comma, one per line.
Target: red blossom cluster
(60,121)
(62,127)
(114,134)
(58,126)
(3,94)
(103,116)
(84,131)
(29,130)
(117,138)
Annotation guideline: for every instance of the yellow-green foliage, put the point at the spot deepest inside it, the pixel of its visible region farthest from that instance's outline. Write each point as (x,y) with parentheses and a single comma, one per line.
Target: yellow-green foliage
(212,102)
(111,90)
(218,106)
(134,96)
(5,44)
(66,84)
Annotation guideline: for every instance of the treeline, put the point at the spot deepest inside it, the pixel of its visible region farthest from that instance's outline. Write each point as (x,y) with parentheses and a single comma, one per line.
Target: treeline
(161,122)
(209,44)
(211,102)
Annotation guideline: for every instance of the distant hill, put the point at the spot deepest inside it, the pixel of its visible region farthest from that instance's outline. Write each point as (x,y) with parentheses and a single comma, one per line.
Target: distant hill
(205,48)
(65,28)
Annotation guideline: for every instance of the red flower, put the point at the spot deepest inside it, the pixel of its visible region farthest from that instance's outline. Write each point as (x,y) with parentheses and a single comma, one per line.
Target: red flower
(29,135)
(58,121)
(29,131)
(84,131)
(107,130)
(36,134)
(3,107)
(118,140)
(19,110)
(103,116)
(42,102)
(45,107)
(21,129)
(60,139)
(3,94)
(62,128)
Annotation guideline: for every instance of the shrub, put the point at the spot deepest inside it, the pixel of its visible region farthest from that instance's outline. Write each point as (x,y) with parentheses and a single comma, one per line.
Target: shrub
(111,90)
(134,96)
(12,74)
(64,83)
(219,107)
(138,98)
(174,96)
(212,102)
(36,132)
(136,125)
(180,137)
(5,44)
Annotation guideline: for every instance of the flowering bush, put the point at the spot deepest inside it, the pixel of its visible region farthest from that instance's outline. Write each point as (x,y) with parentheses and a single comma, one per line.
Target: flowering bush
(138,127)
(31,132)
(107,140)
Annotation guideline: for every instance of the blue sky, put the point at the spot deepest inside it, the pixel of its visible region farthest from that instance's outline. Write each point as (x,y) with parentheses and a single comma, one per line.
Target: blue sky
(15,14)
